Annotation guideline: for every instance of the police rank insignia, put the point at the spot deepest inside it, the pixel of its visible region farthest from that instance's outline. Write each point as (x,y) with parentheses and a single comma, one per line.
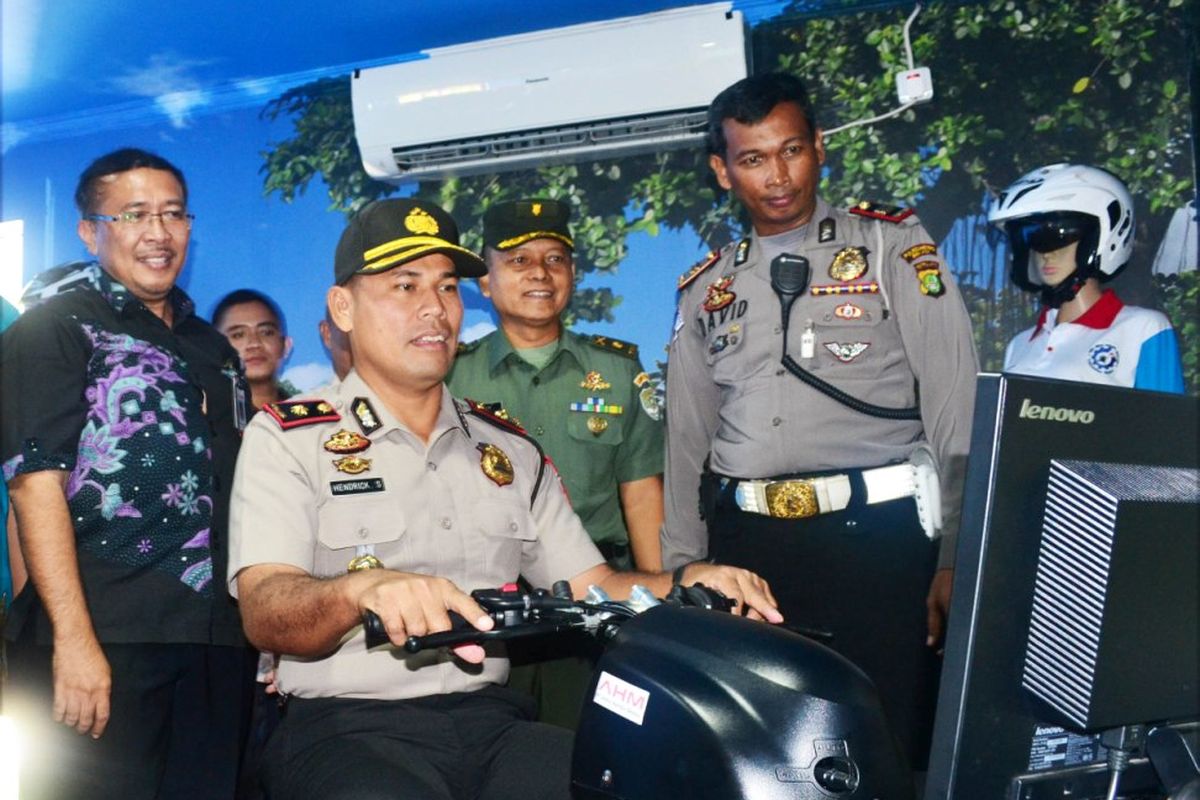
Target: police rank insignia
(743,252)
(880,211)
(697,268)
(717,296)
(352,465)
(849,263)
(594,383)
(365,414)
(846,351)
(628,349)
(495,464)
(294,413)
(345,441)
(826,230)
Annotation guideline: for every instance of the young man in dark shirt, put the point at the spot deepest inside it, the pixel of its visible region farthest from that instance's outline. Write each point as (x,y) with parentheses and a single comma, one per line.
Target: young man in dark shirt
(121,423)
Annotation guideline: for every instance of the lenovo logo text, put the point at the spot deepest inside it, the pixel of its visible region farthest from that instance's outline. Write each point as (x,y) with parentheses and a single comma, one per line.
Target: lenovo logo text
(1052,414)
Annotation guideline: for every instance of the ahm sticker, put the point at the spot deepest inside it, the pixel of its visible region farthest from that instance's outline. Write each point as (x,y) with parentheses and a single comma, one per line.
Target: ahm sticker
(621,697)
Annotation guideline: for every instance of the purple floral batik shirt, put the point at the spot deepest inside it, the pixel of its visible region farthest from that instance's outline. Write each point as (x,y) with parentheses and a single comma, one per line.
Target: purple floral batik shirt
(140,416)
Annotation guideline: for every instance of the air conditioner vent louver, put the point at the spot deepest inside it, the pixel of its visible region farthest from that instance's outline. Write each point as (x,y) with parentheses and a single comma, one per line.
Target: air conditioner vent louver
(546,145)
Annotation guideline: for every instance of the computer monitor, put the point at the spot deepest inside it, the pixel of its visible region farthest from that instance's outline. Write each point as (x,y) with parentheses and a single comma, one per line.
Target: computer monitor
(1075,590)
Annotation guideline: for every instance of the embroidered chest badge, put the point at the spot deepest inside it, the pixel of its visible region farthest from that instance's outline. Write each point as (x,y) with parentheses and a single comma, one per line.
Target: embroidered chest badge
(1104,358)
(849,263)
(847,351)
(717,296)
(593,382)
(495,464)
(352,465)
(345,441)
(848,311)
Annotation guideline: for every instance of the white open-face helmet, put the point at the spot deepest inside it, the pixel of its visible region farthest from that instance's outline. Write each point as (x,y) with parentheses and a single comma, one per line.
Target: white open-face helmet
(1055,206)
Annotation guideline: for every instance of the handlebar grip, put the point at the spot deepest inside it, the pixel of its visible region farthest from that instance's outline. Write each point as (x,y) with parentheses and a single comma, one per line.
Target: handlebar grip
(373,627)
(377,634)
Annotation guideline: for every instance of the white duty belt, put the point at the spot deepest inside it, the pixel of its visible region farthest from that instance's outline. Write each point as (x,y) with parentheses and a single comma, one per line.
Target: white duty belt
(801,498)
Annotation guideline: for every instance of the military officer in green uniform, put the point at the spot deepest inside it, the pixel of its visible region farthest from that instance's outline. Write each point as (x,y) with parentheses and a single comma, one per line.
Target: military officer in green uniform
(586,399)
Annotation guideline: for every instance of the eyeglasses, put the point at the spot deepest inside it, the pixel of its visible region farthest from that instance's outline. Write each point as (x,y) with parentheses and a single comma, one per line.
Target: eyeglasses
(173,219)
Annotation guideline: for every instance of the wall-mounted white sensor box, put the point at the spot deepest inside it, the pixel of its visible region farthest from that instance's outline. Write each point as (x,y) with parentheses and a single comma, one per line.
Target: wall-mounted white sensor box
(914,85)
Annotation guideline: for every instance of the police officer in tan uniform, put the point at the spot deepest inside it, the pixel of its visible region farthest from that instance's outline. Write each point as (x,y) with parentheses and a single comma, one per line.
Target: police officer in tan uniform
(819,470)
(383,493)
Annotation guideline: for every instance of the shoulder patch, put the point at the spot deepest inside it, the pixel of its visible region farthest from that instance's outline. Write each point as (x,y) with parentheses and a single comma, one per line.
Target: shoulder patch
(697,269)
(628,349)
(298,413)
(469,347)
(886,213)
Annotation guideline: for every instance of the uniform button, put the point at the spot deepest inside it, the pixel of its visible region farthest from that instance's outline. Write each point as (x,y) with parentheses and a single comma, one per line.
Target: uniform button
(512,526)
(362,533)
(432,467)
(778,329)
(446,523)
(777,422)
(539,431)
(780,371)
(536,380)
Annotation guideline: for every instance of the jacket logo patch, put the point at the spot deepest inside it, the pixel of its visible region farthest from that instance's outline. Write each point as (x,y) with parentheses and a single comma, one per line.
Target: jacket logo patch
(1104,358)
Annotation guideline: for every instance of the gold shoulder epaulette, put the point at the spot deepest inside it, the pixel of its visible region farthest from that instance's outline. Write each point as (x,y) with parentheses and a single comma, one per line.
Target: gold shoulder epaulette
(487,414)
(697,269)
(296,413)
(614,345)
(468,347)
(886,213)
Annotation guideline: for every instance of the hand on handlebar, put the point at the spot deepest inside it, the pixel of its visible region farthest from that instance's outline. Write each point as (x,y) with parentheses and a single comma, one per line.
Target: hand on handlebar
(751,595)
(407,604)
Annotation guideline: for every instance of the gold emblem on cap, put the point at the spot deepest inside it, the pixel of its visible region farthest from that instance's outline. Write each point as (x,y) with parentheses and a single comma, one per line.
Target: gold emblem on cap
(420,222)
(352,465)
(359,563)
(597,425)
(848,264)
(593,381)
(345,441)
(495,464)
(536,208)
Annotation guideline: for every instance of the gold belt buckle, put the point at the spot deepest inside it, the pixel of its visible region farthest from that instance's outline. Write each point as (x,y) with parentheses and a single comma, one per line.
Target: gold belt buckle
(796,499)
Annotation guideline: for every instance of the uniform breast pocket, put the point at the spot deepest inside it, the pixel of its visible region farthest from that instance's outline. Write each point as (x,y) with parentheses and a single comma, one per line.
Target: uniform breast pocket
(504,528)
(855,339)
(728,353)
(349,523)
(602,429)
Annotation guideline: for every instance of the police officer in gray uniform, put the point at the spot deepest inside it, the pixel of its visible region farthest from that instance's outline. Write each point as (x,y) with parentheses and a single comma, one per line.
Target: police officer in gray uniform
(382,492)
(820,380)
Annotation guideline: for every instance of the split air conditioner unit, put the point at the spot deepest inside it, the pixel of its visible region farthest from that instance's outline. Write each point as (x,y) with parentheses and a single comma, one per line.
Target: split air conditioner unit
(623,86)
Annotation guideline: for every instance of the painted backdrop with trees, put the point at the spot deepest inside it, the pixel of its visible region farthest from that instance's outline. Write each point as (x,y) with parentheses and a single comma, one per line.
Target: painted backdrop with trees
(1018,84)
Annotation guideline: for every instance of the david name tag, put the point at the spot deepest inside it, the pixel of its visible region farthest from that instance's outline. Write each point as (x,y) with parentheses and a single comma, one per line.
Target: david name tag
(364,486)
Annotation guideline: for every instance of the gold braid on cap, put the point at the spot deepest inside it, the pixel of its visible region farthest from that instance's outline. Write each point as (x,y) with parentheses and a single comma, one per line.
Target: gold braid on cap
(525,237)
(405,248)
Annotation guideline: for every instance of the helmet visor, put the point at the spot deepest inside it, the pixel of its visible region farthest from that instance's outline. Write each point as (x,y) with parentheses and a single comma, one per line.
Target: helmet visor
(1046,234)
